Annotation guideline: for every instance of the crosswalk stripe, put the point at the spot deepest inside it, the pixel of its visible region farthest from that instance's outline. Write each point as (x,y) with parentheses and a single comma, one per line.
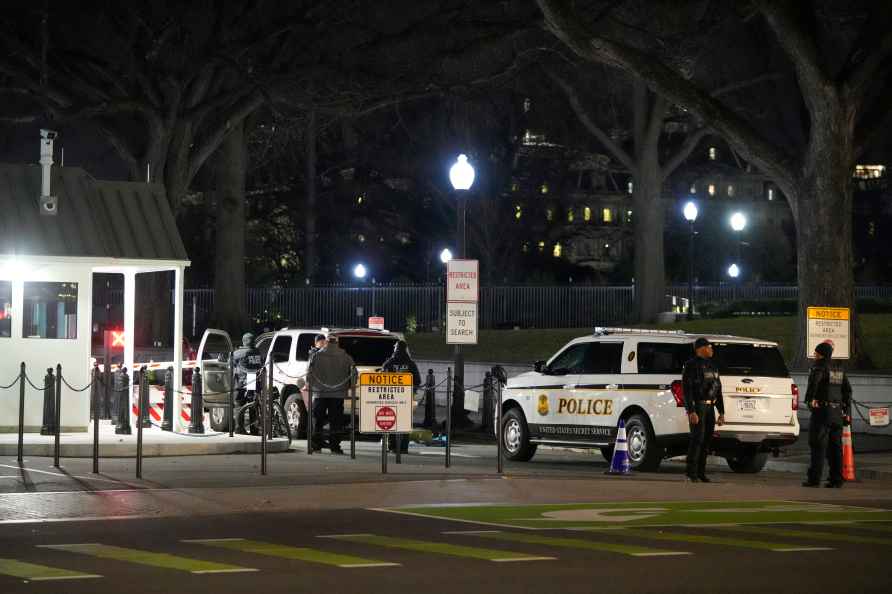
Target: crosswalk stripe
(813,534)
(141,557)
(288,552)
(39,573)
(578,543)
(440,548)
(718,540)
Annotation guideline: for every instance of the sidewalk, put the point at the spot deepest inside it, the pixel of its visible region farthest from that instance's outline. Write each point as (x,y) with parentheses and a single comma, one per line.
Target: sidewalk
(155,443)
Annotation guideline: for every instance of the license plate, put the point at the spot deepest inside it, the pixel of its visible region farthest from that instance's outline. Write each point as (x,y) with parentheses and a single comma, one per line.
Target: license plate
(746,405)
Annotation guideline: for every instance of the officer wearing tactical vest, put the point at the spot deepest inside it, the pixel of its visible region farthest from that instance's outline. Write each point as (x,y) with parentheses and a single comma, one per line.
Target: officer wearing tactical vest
(829,397)
(702,388)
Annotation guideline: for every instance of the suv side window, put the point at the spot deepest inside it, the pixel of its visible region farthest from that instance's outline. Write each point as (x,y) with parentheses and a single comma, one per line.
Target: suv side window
(571,360)
(305,342)
(281,349)
(604,357)
(663,357)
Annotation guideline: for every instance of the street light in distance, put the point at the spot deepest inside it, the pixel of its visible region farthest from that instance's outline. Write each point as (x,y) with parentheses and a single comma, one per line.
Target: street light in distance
(738,221)
(690,215)
(461,176)
(733,271)
(445,255)
(359,271)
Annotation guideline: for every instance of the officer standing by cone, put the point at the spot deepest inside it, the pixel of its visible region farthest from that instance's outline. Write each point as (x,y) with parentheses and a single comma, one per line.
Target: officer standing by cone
(702,397)
(829,397)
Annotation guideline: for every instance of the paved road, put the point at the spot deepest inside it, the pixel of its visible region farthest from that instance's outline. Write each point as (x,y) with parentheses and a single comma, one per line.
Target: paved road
(214,524)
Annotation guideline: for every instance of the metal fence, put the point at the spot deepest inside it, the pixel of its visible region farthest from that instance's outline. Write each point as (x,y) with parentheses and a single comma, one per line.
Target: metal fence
(500,307)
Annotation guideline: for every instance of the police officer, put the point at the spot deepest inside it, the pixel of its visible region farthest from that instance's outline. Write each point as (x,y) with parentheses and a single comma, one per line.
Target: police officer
(319,343)
(829,397)
(331,374)
(402,361)
(702,397)
(246,359)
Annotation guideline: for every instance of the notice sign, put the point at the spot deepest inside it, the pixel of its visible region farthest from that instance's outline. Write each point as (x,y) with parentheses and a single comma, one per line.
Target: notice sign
(461,323)
(385,402)
(829,324)
(879,417)
(462,281)
(376,323)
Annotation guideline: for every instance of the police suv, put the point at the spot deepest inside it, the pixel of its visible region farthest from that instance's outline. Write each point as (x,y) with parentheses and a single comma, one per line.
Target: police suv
(578,397)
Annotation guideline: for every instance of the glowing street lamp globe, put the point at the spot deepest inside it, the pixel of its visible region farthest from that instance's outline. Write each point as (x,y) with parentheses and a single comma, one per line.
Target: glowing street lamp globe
(461,174)
(359,271)
(445,255)
(733,271)
(690,212)
(738,221)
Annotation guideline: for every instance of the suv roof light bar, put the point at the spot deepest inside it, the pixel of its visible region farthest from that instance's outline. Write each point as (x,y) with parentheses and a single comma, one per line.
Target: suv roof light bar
(604,330)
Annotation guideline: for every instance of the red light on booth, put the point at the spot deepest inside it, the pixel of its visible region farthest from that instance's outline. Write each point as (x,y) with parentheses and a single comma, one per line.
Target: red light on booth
(117,338)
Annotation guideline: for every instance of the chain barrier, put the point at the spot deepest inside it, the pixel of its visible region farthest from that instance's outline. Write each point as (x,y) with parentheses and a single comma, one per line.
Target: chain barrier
(17,378)
(39,389)
(69,386)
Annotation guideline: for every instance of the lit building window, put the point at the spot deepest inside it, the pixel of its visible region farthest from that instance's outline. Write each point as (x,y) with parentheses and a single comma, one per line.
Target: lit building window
(525,248)
(518,212)
(359,199)
(541,246)
(770,194)
(628,216)
(869,171)
(712,189)
(587,213)
(712,153)
(527,103)
(730,190)
(544,188)
(515,187)
(693,188)
(607,215)
(570,215)
(871,229)
(631,187)
(360,238)
(556,251)
(549,214)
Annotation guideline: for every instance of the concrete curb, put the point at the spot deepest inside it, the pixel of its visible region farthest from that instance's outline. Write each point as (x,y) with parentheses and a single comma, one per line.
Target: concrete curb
(149,450)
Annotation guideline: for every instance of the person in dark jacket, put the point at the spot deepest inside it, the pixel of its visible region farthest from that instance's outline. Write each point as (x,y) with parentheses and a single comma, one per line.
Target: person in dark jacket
(245,360)
(331,373)
(829,397)
(702,387)
(401,361)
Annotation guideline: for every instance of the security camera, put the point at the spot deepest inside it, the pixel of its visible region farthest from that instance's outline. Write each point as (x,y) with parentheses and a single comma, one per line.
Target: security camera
(48,134)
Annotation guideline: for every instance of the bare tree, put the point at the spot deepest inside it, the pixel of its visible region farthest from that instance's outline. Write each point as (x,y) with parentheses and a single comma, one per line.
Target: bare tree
(839,55)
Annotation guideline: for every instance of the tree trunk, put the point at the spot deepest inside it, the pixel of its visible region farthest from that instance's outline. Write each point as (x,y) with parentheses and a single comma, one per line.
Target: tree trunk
(647,213)
(310,212)
(824,225)
(229,259)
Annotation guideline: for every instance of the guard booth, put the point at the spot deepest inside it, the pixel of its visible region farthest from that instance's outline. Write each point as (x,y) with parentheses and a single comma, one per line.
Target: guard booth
(59,226)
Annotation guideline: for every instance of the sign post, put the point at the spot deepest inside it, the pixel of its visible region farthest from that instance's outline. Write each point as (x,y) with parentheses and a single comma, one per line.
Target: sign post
(829,324)
(462,296)
(385,406)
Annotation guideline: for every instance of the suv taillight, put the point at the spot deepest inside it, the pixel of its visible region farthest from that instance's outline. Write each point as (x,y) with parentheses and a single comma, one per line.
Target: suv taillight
(678,393)
(795,397)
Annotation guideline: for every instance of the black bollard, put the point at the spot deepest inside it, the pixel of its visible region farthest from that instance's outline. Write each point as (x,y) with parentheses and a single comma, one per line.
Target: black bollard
(143,393)
(122,398)
(21,449)
(487,402)
(196,424)
(113,398)
(448,455)
(354,418)
(49,403)
(261,396)
(167,423)
(58,424)
(233,386)
(430,400)
(95,397)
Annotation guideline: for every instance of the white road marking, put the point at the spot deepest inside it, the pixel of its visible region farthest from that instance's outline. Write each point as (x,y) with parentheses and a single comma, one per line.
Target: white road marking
(204,540)
(661,554)
(471,532)
(797,549)
(234,570)
(344,535)
(61,474)
(519,559)
(84,576)
(358,565)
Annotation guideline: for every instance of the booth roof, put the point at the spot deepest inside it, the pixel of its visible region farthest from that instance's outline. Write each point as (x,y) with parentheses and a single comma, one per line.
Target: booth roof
(102,219)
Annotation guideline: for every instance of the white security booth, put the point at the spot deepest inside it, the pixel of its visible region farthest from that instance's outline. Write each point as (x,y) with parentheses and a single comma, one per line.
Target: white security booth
(59,226)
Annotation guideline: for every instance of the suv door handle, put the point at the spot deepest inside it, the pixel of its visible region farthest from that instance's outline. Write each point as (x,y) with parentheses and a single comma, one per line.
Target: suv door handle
(612,386)
(570,387)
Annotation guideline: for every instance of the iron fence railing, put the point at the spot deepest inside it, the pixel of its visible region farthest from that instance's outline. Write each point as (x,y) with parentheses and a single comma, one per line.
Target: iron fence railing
(500,307)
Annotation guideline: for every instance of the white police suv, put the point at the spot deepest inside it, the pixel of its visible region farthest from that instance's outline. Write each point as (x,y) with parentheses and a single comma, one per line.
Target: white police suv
(578,397)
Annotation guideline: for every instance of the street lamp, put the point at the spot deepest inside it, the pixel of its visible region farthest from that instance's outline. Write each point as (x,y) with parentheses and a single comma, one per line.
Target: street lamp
(690,215)
(359,271)
(738,224)
(461,175)
(733,271)
(445,255)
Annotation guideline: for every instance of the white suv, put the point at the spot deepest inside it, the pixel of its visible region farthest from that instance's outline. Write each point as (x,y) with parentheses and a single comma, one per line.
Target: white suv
(289,349)
(578,397)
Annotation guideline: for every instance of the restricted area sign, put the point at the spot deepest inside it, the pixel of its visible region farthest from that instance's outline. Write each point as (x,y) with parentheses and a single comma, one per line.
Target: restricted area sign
(376,323)
(879,417)
(462,281)
(461,323)
(829,324)
(385,402)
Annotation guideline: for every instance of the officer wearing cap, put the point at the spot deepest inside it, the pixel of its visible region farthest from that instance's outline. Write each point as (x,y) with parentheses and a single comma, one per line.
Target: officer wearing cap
(246,359)
(829,397)
(702,397)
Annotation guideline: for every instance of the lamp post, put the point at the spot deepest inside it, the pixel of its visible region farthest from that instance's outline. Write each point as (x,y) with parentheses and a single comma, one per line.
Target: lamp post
(738,224)
(446,256)
(690,215)
(461,175)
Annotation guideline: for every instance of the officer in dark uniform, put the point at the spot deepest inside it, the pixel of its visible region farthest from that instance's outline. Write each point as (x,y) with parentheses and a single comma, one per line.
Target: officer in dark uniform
(246,359)
(829,397)
(702,397)
(400,360)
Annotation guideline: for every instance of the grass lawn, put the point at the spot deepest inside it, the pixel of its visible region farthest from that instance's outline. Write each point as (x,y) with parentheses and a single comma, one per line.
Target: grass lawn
(526,346)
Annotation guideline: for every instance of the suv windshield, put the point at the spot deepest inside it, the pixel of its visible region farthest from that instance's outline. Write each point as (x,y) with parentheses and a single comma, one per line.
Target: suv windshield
(749,359)
(368,351)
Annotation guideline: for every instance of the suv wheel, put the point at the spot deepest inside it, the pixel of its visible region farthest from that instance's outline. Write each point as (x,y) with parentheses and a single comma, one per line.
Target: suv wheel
(296,413)
(747,462)
(644,453)
(516,437)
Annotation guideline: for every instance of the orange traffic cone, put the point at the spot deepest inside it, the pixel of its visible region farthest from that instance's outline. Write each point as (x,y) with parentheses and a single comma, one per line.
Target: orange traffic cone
(848,455)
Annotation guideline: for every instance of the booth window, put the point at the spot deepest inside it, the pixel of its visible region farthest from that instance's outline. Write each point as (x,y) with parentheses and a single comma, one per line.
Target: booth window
(5,309)
(50,310)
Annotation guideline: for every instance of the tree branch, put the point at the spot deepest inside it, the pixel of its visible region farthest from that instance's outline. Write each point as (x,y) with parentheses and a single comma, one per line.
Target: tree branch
(582,114)
(242,109)
(861,76)
(684,151)
(564,23)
